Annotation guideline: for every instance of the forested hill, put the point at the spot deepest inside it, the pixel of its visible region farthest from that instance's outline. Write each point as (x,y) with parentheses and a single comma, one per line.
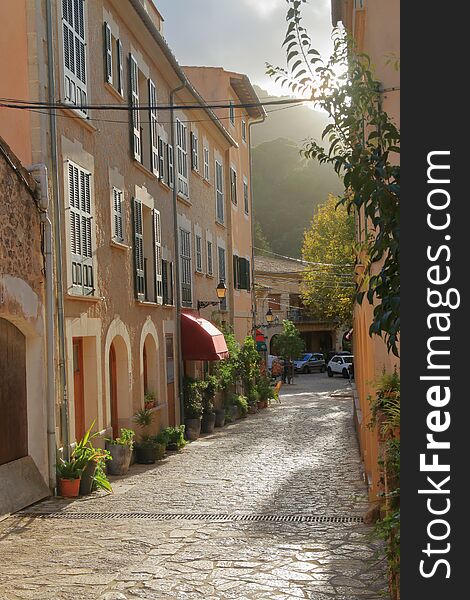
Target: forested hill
(286,187)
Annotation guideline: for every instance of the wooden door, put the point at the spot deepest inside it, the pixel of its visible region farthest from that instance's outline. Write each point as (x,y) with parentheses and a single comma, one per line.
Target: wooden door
(78,388)
(170,380)
(113,391)
(13,400)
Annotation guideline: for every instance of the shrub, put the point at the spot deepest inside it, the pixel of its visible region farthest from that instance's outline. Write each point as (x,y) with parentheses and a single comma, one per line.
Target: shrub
(192,394)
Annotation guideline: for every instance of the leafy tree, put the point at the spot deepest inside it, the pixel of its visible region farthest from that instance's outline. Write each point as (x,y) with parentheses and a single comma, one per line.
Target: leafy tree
(289,344)
(363,147)
(248,360)
(327,288)
(226,371)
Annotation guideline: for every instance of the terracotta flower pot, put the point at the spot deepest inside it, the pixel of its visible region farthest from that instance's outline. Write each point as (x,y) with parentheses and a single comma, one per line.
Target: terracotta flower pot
(86,482)
(252,409)
(69,488)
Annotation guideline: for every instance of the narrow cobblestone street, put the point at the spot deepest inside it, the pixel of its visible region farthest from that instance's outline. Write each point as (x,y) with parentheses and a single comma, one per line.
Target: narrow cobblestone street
(296,459)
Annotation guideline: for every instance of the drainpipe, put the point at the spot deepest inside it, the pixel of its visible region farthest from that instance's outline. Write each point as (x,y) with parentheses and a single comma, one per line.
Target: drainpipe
(58,236)
(39,172)
(177,261)
(253,291)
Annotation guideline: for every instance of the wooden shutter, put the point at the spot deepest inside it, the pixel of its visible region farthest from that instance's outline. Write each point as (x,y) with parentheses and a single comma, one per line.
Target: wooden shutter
(248,275)
(161,158)
(157,238)
(74,40)
(135,114)
(81,230)
(108,54)
(117,210)
(171,166)
(120,67)
(236,272)
(138,249)
(153,127)
(233,185)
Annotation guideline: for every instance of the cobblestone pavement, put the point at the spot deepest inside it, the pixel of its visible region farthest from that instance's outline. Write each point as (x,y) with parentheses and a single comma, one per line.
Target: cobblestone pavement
(299,458)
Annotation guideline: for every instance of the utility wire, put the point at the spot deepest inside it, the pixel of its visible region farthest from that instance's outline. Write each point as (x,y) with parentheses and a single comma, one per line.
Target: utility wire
(303,262)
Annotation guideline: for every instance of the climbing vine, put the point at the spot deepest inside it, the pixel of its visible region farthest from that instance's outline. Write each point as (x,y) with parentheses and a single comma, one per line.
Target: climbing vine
(362,143)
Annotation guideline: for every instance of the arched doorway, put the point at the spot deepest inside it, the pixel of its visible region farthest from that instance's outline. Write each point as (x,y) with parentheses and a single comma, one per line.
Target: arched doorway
(150,366)
(120,402)
(13,400)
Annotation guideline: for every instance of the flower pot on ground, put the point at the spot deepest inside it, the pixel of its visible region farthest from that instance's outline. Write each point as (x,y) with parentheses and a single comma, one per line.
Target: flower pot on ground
(172,438)
(220,417)
(120,450)
(92,461)
(145,447)
(69,474)
(209,387)
(253,400)
(193,407)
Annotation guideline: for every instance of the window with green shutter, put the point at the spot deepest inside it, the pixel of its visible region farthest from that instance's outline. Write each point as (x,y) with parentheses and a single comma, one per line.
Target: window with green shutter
(135,113)
(157,238)
(138,249)
(153,128)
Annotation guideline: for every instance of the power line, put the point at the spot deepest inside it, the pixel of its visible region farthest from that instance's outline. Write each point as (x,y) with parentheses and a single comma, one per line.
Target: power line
(304,262)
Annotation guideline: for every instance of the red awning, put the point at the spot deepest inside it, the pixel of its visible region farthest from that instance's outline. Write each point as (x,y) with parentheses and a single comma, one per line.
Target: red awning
(260,337)
(201,340)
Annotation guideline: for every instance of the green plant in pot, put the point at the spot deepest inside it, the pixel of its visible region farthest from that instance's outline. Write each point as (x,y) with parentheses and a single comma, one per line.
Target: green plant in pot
(172,438)
(150,400)
(193,407)
(92,460)
(145,447)
(253,399)
(208,414)
(120,450)
(69,473)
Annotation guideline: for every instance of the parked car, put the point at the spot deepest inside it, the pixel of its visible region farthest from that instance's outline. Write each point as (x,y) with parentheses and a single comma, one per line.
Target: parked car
(341,365)
(312,361)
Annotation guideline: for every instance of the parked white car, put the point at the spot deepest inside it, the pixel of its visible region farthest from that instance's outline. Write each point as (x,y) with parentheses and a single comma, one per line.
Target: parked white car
(341,365)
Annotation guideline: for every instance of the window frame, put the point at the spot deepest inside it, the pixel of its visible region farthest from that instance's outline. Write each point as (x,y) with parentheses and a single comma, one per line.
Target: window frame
(186,267)
(207,174)
(210,258)
(117,198)
(198,252)
(74,37)
(219,192)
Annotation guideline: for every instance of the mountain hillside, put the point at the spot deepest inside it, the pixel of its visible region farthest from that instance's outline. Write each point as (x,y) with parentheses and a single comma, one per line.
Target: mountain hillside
(286,187)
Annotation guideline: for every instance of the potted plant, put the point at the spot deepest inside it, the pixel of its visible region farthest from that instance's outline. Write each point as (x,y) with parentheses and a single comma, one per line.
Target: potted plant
(172,438)
(91,460)
(69,474)
(120,450)
(150,400)
(253,399)
(145,448)
(192,408)
(242,405)
(208,415)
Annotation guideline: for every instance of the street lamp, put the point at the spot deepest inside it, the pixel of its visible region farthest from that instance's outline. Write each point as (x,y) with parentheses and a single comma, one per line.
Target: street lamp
(221,292)
(269,316)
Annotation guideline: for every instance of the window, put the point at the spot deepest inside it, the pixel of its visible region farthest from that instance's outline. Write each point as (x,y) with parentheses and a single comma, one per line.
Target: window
(74,47)
(210,266)
(236,272)
(167,280)
(206,164)
(246,196)
(182,159)
(274,301)
(222,277)
(185,254)
(147,253)
(118,230)
(233,186)
(113,68)
(198,254)
(244,130)
(194,152)
(154,162)
(232,112)
(135,114)
(81,230)
(241,273)
(219,185)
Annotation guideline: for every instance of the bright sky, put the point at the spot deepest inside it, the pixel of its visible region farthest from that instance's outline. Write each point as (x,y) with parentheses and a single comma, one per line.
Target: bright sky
(239,35)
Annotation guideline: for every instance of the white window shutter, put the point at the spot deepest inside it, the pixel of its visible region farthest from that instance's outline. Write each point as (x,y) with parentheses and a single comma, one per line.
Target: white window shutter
(157,235)
(74,48)
(108,53)
(153,127)
(161,158)
(135,114)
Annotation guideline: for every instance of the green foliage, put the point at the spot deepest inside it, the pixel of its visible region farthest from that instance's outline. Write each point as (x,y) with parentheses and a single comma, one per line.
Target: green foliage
(172,437)
(241,402)
(289,344)
(249,361)
(328,288)
(84,452)
(280,173)
(125,439)
(192,395)
(265,389)
(253,396)
(226,371)
(69,469)
(143,418)
(363,146)
(387,402)
(209,387)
